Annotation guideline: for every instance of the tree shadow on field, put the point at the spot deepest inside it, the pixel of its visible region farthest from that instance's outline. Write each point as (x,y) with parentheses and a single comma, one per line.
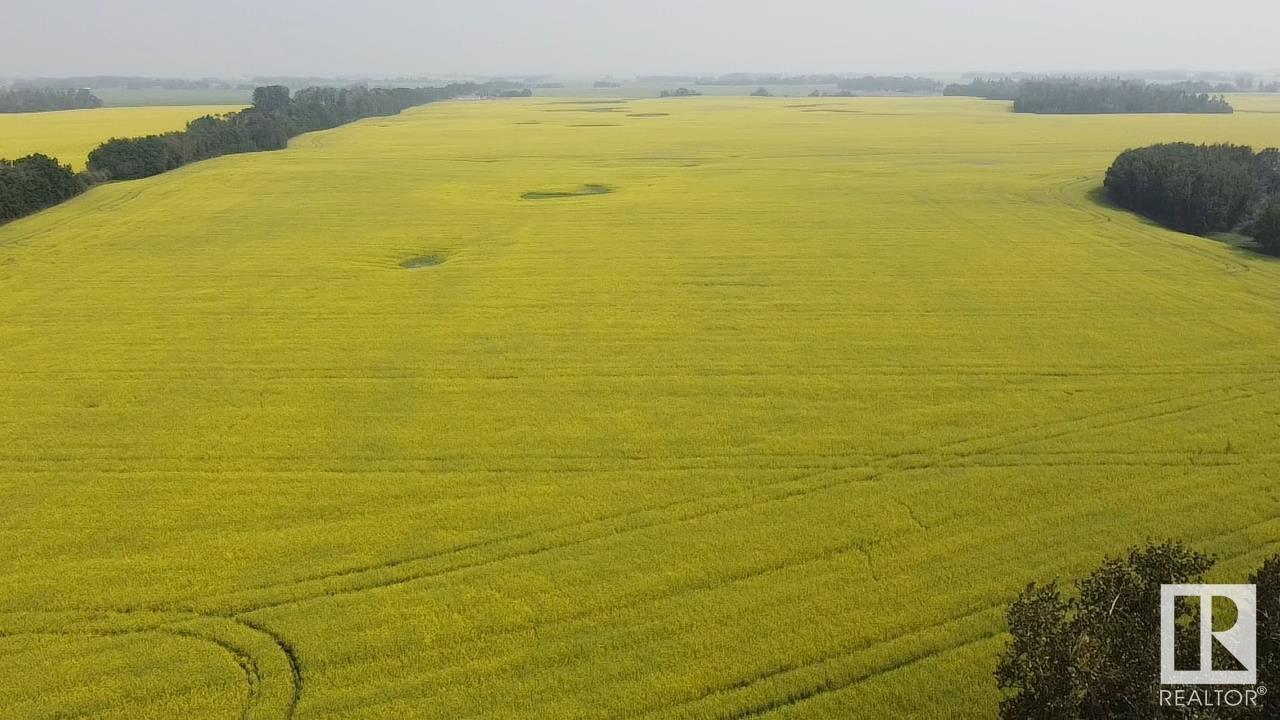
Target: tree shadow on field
(1242,245)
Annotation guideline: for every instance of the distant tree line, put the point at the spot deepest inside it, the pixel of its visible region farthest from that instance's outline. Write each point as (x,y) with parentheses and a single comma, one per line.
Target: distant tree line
(1081,96)
(1202,188)
(679,92)
(600,84)
(33,183)
(999,89)
(122,81)
(29,100)
(274,117)
(1122,97)
(757,79)
(667,79)
(1204,86)
(890,83)
(865,83)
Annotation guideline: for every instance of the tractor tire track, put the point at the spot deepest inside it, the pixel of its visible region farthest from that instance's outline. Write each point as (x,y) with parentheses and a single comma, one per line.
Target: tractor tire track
(406,570)
(812,692)
(258,680)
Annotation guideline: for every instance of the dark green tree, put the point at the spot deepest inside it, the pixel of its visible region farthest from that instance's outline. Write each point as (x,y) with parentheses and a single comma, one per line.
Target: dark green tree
(1094,656)
(1195,188)
(1267,579)
(25,100)
(35,182)
(1266,229)
(271,98)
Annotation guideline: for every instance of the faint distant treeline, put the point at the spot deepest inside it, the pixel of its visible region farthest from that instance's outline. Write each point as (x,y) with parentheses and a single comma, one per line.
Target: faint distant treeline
(1076,96)
(998,89)
(866,83)
(129,83)
(1202,189)
(890,83)
(30,100)
(35,182)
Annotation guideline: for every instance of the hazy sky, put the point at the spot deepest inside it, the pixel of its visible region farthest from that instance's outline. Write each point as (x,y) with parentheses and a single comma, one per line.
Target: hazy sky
(628,37)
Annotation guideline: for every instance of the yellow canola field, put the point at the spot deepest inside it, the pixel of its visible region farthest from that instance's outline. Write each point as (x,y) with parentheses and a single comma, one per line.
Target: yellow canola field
(414,419)
(70,135)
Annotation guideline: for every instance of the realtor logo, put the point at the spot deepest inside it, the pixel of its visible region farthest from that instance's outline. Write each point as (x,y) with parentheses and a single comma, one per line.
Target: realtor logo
(1241,640)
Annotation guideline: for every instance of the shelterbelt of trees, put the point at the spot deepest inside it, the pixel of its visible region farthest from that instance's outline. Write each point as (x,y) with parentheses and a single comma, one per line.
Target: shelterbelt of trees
(30,100)
(33,183)
(1092,96)
(1202,189)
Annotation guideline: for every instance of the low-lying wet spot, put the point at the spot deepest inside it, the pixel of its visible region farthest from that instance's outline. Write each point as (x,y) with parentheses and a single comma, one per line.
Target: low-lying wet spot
(422,262)
(584,191)
(597,125)
(648,114)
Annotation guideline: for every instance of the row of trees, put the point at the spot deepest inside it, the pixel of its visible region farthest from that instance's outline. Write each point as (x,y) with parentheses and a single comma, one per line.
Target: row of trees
(29,100)
(274,118)
(1096,654)
(1122,97)
(1000,89)
(127,82)
(891,84)
(763,79)
(1093,96)
(1202,188)
(33,183)
(679,92)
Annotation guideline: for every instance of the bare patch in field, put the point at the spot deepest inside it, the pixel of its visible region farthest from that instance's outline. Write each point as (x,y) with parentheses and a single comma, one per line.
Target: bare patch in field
(422,262)
(584,191)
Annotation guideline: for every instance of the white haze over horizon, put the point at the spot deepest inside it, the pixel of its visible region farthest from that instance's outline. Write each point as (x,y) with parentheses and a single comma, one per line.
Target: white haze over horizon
(582,38)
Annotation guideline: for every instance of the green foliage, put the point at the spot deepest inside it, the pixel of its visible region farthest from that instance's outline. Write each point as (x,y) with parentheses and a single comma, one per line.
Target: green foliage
(1002,89)
(1113,97)
(1095,655)
(1194,188)
(25,100)
(33,183)
(1267,578)
(1266,229)
(274,118)
(1085,96)
(271,98)
(131,158)
(36,182)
